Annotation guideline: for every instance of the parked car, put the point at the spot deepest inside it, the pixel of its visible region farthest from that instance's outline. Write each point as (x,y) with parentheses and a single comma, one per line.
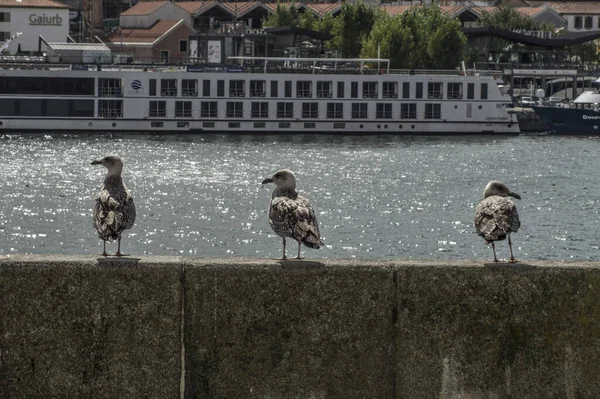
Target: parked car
(526,101)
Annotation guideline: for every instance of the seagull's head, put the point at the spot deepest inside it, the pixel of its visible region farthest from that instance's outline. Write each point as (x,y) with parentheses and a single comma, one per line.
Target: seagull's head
(112,163)
(283,179)
(498,188)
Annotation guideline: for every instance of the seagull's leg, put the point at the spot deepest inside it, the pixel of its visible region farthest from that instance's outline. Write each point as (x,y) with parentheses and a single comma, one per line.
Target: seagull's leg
(284,257)
(512,258)
(119,247)
(104,251)
(299,257)
(494,249)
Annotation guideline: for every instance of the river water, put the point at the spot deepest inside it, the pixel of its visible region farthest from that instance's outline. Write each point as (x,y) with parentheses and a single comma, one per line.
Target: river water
(375,197)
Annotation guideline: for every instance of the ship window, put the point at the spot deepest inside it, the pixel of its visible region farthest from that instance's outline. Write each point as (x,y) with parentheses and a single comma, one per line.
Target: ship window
(339,125)
(310,125)
(47,86)
(324,89)
(285,110)
(260,125)
(158,109)
(588,22)
(359,110)
(419,90)
(234,124)
(258,88)
(260,110)
(109,87)
(208,109)
(157,124)
(206,88)
(183,109)
(44,107)
(408,111)
(288,88)
(383,111)
(578,22)
(110,109)
(274,88)
(183,124)
(152,90)
(390,90)
(189,87)
(168,87)
(340,89)
(310,110)
(335,110)
(220,88)
(405,89)
(434,90)
(354,89)
(433,111)
(208,124)
(369,90)
(8,107)
(235,109)
(236,88)
(285,125)
(304,89)
(484,91)
(470,91)
(455,91)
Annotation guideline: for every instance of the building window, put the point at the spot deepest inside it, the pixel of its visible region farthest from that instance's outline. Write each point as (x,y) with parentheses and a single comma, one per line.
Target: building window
(285,110)
(578,22)
(419,90)
(183,46)
(324,90)
(208,109)
(235,109)
(383,111)
(288,88)
(369,89)
(183,109)
(164,56)
(260,110)
(434,90)
(405,89)
(408,111)
(110,109)
(220,88)
(152,89)
(354,89)
(158,109)
(4,17)
(335,110)
(168,87)
(274,89)
(455,91)
(340,89)
(206,88)
(189,87)
(258,88)
(484,91)
(236,88)
(310,110)
(470,91)
(359,110)
(304,89)
(588,23)
(390,90)
(433,111)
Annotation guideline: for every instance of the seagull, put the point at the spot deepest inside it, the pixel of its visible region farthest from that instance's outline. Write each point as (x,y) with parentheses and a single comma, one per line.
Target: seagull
(290,214)
(114,210)
(496,216)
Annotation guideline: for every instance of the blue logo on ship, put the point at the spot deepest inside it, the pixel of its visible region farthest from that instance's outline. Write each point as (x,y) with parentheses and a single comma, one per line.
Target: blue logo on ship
(136,85)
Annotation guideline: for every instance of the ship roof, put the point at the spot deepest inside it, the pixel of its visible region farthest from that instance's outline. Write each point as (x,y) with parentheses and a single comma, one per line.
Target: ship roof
(77,46)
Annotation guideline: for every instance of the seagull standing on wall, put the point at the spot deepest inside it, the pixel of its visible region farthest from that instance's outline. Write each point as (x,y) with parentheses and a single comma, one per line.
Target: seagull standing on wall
(114,210)
(290,214)
(496,216)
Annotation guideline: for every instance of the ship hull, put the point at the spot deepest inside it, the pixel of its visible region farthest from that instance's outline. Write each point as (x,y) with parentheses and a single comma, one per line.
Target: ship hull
(570,121)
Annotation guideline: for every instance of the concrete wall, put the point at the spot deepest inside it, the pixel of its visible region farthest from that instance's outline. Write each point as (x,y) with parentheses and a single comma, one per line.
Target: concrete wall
(211,328)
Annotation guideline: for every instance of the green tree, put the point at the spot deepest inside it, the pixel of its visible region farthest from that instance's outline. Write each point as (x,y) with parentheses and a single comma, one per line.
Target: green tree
(355,23)
(509,18)
(284,15)
(328,23)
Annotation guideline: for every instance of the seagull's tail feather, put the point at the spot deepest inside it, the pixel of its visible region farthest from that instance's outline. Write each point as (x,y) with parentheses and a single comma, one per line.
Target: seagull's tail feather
(312,241)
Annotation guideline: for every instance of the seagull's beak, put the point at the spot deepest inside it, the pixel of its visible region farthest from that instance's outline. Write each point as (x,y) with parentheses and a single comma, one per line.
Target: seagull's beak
(267,180)
(517,196)
(96,163)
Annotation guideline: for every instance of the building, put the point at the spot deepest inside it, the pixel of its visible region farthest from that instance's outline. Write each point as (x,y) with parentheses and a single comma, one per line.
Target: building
(32,18)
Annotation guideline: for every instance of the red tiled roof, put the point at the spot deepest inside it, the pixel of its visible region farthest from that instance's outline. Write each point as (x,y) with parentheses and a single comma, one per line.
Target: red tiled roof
(149,35)
(574,7)
(193,6)
(32,4)
(322,9)
(143,8)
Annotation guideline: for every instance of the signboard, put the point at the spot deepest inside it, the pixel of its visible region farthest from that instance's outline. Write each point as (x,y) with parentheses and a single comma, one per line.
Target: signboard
(46,20)
(214,52)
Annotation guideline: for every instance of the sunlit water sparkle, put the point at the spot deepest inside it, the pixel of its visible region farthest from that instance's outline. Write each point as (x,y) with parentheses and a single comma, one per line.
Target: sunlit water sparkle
(375,197)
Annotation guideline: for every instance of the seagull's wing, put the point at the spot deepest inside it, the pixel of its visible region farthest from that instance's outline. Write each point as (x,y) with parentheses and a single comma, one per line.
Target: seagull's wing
(295,218)
(495,217)
(128,211)
(106,215)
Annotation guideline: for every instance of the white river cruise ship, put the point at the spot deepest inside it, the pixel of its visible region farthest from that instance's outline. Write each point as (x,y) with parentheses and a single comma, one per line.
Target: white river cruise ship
(252,95)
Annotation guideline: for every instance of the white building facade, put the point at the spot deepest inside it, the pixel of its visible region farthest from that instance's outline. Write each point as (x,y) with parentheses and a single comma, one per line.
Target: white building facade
(32,18)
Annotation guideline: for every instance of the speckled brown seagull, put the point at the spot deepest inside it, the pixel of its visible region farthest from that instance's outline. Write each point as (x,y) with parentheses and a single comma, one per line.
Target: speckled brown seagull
(290,214)
(496,216)
(114,210)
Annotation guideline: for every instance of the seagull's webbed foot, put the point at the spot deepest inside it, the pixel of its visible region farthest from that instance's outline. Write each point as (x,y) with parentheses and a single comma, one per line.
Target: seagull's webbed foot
(512,260)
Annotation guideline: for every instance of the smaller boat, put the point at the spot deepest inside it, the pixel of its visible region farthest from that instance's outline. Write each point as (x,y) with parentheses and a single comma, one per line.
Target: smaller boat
(580,117)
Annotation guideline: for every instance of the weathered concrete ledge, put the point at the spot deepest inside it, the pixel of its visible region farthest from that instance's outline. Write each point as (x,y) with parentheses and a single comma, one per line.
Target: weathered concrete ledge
(228,328)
